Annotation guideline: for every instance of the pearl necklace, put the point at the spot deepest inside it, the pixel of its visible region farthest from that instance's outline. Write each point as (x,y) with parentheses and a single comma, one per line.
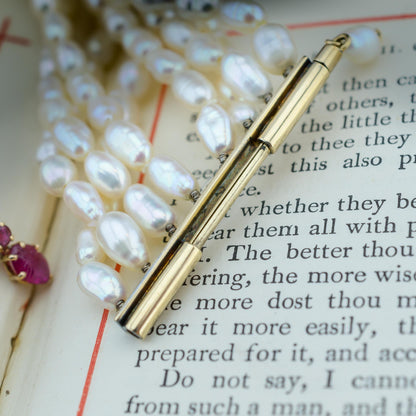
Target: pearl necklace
(70,127)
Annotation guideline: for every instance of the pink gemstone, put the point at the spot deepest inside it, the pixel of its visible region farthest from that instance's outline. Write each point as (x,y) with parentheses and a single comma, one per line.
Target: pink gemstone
(5,236)
(29,261)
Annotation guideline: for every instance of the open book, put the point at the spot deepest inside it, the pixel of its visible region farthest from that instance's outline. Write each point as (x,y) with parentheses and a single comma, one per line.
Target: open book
(304,301)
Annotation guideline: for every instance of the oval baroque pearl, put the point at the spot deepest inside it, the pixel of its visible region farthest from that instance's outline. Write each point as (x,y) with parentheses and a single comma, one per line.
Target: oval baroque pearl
(365,44)
(55,173)
(102,282)
(122,240)
(103,110)
(100,48)
(128,142)
(242,13)
(245,76)
(109,176)
(274,48)
(192,88)
(47,64)
(139,42)
(69,57)
(117,20)
(55,27)
(240,112)
(149,210)
(49,88)
(214,127)
(73,137)
(88,248)
(128,104)
(46,149)
(132,78)
(171,177)
(163,64)
(190,9)
(204,53)
(53,110)
(176,34)
(84,201)
(83,87)
(43,6)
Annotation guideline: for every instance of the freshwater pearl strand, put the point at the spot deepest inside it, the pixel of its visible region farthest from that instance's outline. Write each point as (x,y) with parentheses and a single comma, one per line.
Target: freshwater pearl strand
(71,128)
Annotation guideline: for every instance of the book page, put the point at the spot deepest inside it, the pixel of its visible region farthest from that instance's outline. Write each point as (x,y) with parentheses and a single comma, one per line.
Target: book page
(303,302)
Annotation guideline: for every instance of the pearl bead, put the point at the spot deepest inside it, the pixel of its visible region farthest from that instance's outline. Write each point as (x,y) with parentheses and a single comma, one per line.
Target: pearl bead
(84,201)
(245,76)
(163,64)
(43,6)
(127,103)
(122,240)
(109,176)
(171,177)
(365,44)
(214,127)
(139,42)
(192,88)
(117,20)
(55,173)
(102,111)
(240,112)
(132,78)
(127,142)
(204,53)
(69,57)
(102,282)
(53,110)
(100,48)
(274,48)
(176,34)
(242,13)
(83,87)
(147,209)
(46,149)
(49,88)
(47,64)
(95,5)
(73,137)
(88,248)
(55,27)
(191,9)
(226,92)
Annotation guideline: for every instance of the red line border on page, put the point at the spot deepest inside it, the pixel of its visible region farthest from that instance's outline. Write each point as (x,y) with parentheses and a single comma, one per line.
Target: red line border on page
(160,102)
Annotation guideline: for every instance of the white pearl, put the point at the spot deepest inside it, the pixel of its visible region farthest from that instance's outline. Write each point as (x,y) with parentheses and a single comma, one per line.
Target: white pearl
(109,176)
(365,44)
(127,103)
(139,42)
(103,110)
(192,88)
(117,20)
(46,149)
(191,9)
(95,5)
(55,173)
(274,48)
(171,177)
(69,57)
(88,248)
(149,210)
(242,13)
(163,64)
(132,78)
(43,6)
(240,112)
(50,87)
(226,92)
(122,240)
(100,48)
(176,34)
(84,201)
(83,87)
(55,27)
(127,142)
(204,53)
(47,65)
(214,127)
(73,137)
(102,282)
(245,76)
(53,110)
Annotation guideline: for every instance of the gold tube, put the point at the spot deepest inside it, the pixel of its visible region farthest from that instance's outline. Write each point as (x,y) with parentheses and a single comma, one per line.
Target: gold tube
(266,134)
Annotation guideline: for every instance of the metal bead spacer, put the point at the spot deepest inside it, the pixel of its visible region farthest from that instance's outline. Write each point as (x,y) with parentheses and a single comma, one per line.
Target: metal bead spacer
(286,72)
(194,195)
(222,157)
(267,97)
(170,229)
(247,123)
(146,267)
(120,304)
